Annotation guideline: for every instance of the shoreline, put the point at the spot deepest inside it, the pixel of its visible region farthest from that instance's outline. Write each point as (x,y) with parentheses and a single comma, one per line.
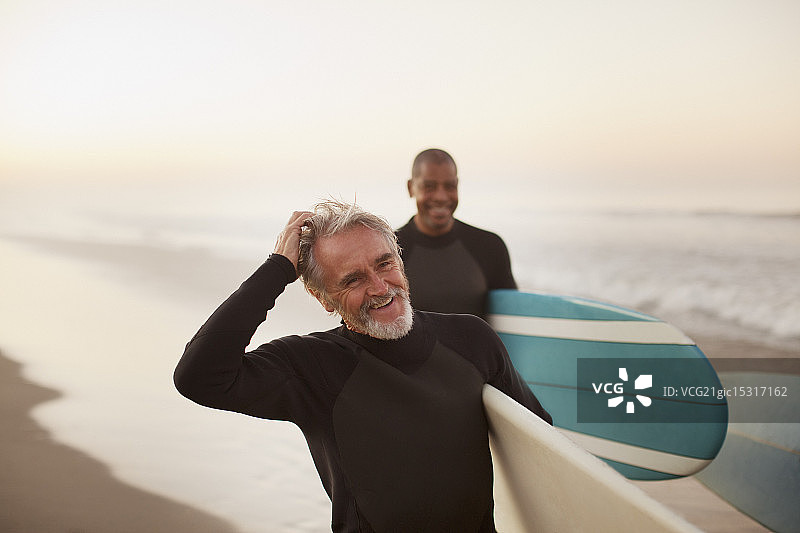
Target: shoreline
(50,487)
(118,320)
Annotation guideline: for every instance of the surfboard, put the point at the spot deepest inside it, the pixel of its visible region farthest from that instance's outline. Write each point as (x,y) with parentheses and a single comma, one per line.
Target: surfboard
(758,468)
(545,482)
(585,360)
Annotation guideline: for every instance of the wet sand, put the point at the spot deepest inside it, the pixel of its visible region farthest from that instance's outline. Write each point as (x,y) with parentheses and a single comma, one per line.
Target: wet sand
(49,487)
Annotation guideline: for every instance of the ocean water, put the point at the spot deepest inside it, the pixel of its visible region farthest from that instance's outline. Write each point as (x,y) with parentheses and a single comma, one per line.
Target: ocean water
(726,274)
(108,339)
(732,276)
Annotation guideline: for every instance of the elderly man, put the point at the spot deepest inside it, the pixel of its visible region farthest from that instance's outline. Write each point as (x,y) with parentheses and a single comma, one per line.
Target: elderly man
(389,403)
(451,265)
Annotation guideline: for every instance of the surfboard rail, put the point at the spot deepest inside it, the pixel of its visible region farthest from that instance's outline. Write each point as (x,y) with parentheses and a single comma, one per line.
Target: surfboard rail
(546,482)
(638,456)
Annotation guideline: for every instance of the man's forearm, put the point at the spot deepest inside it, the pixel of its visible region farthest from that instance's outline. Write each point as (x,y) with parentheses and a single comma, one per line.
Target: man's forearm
(246,308)
(213,357)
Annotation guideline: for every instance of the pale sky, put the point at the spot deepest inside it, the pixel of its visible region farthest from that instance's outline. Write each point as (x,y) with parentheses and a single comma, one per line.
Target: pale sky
(588,102)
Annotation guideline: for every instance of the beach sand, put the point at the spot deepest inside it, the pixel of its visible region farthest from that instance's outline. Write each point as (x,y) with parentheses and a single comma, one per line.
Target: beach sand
(48,486)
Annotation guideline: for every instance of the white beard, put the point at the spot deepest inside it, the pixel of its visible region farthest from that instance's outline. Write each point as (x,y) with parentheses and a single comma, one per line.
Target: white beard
(396,329)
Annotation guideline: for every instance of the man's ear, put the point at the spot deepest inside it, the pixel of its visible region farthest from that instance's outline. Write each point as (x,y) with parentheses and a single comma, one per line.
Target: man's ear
(329,308)
(410,185)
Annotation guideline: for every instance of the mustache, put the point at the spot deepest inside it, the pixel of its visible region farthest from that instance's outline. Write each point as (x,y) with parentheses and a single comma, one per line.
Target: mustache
(391,292)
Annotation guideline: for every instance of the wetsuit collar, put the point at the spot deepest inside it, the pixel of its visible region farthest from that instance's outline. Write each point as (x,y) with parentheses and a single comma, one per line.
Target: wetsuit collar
(406,353)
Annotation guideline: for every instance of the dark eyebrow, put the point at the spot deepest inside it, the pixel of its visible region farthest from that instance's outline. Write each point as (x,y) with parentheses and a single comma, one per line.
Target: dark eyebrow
(384,257)
(347,277)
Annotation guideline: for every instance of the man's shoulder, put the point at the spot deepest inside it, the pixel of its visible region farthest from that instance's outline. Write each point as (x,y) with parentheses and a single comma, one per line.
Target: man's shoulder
(406,229)
(312,343)
(478,235)
(406,234)
(458,324)
(472,230)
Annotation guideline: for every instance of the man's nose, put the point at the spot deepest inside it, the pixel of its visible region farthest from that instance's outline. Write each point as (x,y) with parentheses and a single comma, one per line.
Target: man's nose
(377,285)
(439,193)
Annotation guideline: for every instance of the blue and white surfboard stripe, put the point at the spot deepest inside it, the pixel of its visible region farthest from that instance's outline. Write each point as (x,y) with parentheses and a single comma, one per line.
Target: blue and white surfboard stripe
(637,332)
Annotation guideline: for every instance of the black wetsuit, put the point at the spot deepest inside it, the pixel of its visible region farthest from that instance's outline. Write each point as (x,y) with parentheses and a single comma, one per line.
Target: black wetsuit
(396,428)
(452,273)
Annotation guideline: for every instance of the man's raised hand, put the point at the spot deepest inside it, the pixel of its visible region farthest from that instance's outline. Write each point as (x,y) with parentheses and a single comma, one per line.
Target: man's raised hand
(288,244)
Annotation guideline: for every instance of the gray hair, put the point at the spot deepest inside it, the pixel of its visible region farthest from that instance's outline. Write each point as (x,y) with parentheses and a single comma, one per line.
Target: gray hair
(331,218)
